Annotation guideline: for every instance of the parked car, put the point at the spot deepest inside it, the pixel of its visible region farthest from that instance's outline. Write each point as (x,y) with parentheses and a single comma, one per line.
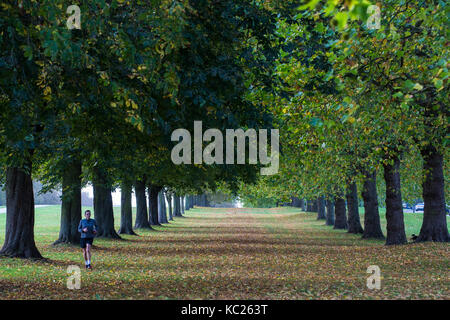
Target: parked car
(407,206)
(419,207)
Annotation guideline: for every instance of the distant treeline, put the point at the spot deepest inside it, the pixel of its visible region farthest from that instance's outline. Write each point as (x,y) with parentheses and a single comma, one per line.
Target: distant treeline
(51,197)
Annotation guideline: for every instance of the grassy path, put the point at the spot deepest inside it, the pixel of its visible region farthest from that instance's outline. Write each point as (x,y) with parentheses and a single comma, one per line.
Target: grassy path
(229,254)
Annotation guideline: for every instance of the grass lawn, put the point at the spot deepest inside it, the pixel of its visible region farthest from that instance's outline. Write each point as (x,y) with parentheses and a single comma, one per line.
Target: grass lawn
(413,221)
(277,253)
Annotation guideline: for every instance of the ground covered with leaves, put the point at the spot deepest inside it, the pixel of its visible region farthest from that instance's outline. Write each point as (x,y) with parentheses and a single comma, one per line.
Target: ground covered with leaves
(229,254)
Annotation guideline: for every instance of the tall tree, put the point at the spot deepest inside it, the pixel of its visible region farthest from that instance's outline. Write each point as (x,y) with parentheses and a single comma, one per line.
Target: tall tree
(153,192)
(372,227)
(71,204)
(141,206)
(395,225)
(126,210)
(321,214)
(354,223)
(19,240)
(103,206)
(330,212)
(340,213)
(162,213)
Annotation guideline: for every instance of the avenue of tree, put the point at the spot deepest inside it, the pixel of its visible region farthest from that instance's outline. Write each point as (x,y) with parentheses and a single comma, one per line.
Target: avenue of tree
(359,109)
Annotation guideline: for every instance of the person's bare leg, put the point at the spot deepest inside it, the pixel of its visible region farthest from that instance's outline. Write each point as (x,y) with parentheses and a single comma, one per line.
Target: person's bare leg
(84,254)
(88,253)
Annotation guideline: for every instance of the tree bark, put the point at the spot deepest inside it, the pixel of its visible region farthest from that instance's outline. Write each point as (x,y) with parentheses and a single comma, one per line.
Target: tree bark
(162,208)
(330,213)
(182,205)
(169,202)
(204,200)
(340,212)
(177,209)
(321,215)
(141,207)
(103,208)
(309,205)
(372,225)
(71,204)
(19,233)
(297,203)
(302,204)
(395,225)
(191,202)
(188,202)
(126,210)
(354,223)
(434,225)
(153,204)
(315,206)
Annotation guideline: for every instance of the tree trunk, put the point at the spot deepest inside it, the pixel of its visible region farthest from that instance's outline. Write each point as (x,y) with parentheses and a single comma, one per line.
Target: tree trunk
(354,223)
(162,208)
(205,200)
(434,225)
(302,204)
(126,211)
(169,202)
(188,202)
(309,205)
(330,213)
(321,215)
(297,203)
(315,206)
(182,205)
(71,204)
(177,209)
(395,225)
(103,209)
(340,212)
(191,202)
(141,207)
(19,233)
(372,226)
(153,205)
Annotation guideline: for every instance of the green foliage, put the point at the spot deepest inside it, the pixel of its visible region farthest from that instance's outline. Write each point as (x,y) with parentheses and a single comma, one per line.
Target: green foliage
(359,97)
(111,93)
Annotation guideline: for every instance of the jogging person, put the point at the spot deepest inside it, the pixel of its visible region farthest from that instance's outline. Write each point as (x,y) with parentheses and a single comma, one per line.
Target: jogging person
(88,230)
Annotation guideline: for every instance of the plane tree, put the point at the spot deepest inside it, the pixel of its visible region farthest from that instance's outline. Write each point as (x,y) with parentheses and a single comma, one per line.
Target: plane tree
(405,62)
